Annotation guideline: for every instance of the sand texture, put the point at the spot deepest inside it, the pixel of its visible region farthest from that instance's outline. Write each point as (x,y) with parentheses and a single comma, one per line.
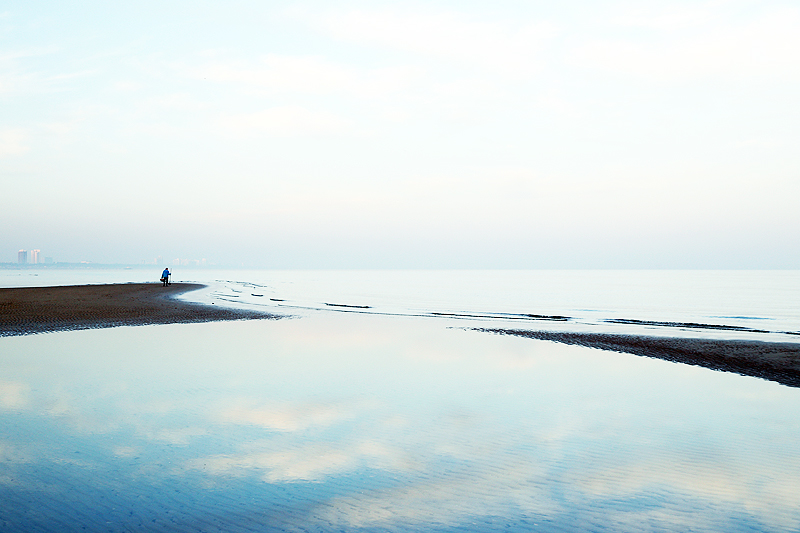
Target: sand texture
(28,310)
(774,361)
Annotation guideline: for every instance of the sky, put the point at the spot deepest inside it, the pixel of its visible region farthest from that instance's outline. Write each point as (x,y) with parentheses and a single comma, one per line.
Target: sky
(437,134)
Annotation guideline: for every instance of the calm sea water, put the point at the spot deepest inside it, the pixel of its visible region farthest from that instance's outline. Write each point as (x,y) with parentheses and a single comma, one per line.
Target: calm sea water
(391,415)
(745,304)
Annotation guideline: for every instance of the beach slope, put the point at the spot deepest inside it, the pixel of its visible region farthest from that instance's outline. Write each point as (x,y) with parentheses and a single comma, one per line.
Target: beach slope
(28,310)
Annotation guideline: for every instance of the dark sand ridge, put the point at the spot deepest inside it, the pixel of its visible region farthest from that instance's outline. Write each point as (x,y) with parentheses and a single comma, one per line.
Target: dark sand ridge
(774,361)
(28,310)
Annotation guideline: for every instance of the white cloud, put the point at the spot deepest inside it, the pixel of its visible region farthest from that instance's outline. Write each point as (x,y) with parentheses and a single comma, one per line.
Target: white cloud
(127,86)
(666,17)
(309,75)
(308,463)
(126,451)
(178,435)
(461,96)
(13,453)
(286,121)
(286,418)
(13,395)
(174,101)
(506,47)
(704,478)
(12,142)
(13,77)
(510,483)
(769,45)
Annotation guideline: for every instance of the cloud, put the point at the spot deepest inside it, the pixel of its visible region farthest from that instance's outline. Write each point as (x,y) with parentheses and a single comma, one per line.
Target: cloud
(307,463)
(178,435)
(473,490)
(125,451)
(13,395)
(14,78)
(286,121)
(12,142)
(668,17)
(766,46)
(308,75)
(506,47)
(705,478)
(286,418)
(127,86)
(13,453)
(172,102)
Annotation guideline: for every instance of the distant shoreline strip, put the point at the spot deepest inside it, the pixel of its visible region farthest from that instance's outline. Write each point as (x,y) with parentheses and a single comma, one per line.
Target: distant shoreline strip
(31,310)
(773,361)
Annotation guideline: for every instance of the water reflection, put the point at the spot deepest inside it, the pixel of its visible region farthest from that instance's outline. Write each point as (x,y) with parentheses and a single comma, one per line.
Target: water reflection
(368,423)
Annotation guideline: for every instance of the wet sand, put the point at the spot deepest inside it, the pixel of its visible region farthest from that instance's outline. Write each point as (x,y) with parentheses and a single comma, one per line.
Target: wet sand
(774,361)
(29,310)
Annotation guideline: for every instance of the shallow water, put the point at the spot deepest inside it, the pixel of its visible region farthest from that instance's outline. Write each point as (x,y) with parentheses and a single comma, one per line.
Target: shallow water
(759,305)
(371,422)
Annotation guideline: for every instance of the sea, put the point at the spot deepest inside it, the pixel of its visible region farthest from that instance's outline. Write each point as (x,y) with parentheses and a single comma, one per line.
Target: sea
(374,403)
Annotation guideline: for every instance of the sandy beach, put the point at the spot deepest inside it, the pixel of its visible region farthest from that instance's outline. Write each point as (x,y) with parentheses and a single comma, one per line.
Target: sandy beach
(29,310)
(774,361)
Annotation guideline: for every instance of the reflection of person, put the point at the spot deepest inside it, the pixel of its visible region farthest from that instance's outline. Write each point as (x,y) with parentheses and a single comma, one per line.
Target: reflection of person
(165,277)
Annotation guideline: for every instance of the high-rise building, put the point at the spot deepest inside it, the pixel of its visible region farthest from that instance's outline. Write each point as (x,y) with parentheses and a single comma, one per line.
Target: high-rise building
(35,259)
(22,257)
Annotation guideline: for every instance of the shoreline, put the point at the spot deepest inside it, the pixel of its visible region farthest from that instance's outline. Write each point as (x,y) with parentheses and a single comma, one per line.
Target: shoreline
(32,310)
(773,361)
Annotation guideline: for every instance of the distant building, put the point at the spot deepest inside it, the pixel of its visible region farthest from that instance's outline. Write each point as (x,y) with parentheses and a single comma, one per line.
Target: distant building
(35,259)
(22,257)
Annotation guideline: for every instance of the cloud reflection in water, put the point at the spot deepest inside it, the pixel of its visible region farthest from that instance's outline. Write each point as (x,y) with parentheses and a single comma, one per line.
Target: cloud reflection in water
(376,423)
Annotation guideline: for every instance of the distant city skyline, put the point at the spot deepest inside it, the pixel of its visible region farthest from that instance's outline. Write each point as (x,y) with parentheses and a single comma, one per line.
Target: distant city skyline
(35,256)
(438,134)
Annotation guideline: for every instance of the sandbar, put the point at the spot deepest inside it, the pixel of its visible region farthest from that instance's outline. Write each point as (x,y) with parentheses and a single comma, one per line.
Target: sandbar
(773,361)
(29,310)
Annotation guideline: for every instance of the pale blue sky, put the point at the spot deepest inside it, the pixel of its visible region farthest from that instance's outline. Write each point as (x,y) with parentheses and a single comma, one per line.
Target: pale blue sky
(402,134)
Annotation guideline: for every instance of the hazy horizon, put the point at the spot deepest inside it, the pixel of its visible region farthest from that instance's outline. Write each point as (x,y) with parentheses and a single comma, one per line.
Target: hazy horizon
(353,134)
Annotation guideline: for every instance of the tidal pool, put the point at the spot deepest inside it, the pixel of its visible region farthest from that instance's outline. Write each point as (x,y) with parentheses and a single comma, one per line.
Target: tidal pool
(350,422)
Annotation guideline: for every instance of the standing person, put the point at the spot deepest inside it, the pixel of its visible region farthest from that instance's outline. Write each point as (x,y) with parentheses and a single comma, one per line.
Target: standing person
(165,277)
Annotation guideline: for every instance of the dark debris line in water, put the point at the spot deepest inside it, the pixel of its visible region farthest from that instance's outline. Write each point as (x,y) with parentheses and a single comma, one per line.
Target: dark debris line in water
(773,361)
(690,325)
(503,316)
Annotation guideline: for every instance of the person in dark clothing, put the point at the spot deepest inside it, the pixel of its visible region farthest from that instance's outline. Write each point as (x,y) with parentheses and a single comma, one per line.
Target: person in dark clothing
(165,277)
